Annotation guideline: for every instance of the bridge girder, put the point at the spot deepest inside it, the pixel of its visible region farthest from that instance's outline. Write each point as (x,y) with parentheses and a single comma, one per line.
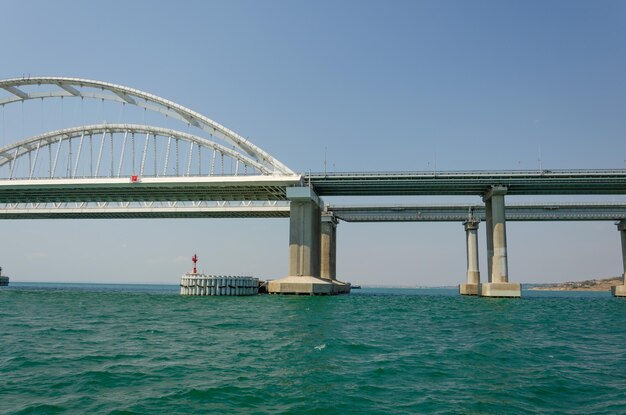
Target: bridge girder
(469,212)
(475,183)
(147,211)
(167,189)
(281,209)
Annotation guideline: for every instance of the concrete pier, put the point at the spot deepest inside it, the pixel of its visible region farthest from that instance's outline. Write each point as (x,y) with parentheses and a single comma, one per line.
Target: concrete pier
(620,290)
(489,237)
(328,255)
(498,285)
(473,273)
(304,247)
(328,260)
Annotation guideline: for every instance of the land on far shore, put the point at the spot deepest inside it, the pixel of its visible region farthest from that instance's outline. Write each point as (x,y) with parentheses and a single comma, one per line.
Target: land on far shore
(588,285)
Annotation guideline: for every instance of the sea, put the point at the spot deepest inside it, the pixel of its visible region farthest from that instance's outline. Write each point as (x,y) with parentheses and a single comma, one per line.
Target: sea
(144,349)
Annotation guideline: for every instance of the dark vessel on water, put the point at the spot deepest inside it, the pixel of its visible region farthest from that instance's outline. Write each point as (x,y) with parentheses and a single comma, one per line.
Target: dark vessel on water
(4,280)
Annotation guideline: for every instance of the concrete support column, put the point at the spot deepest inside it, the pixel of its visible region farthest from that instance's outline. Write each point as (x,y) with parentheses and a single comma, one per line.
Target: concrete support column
(489,237)
(498,285)
(328,264)
(499,260)
(304,238)
(473,272)
(304,246)
(328,267)
(620,290)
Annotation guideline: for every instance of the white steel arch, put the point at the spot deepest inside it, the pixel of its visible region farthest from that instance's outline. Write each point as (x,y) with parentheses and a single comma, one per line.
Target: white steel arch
(10,154)
(85,88)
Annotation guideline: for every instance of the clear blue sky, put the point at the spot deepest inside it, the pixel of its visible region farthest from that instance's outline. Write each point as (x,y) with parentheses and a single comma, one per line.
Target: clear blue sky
(377,86)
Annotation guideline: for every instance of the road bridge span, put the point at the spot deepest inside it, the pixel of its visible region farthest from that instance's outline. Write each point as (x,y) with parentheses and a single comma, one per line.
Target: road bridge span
(135,170)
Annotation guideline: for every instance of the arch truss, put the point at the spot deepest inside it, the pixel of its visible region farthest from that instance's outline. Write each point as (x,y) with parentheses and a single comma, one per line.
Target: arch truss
(122,150)
(23,89)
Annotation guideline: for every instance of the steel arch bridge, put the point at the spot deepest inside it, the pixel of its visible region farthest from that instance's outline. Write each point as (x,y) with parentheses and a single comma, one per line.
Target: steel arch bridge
(135,169)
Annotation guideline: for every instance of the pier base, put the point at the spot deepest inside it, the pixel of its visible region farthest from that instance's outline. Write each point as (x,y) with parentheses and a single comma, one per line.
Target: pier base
(619,291)
(300,285)
(501,289)
(468,289)
(340,287)
(307,286)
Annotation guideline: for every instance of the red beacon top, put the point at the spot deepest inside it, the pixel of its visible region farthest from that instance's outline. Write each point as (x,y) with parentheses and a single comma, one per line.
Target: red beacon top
(194,259)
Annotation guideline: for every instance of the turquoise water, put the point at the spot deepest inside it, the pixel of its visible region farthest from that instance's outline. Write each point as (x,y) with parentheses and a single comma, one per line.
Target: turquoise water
(117,349)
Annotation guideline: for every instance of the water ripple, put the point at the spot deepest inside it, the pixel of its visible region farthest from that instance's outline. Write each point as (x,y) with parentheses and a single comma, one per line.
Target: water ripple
(377,351)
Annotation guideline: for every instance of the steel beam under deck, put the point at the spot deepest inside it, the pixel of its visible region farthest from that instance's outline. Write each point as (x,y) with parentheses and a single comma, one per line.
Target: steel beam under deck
(547,182)
(145,212)
(170,189)
(392,213)
(459,213)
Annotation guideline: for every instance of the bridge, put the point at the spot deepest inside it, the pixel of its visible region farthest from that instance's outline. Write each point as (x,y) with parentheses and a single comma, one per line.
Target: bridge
(477,213)
(470,183)
(133,169)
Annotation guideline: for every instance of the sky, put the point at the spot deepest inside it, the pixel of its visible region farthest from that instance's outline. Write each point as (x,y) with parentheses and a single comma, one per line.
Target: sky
(358,86)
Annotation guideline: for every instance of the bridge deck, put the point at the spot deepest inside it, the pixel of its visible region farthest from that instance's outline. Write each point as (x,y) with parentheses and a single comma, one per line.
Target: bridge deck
(459,213)
(372,213)
(547,182)
(160,212)
(146,189)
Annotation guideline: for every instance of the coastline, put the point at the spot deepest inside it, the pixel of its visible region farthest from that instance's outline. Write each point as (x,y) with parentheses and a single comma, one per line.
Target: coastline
(587,285)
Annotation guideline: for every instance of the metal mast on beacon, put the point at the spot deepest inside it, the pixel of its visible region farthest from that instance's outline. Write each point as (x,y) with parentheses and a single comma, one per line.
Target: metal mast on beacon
(194,258)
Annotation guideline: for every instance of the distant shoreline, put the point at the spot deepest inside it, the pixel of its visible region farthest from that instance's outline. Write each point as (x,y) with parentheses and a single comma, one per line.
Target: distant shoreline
(588,285)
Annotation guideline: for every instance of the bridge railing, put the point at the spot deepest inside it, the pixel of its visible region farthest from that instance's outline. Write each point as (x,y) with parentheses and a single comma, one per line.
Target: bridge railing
(469,173)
